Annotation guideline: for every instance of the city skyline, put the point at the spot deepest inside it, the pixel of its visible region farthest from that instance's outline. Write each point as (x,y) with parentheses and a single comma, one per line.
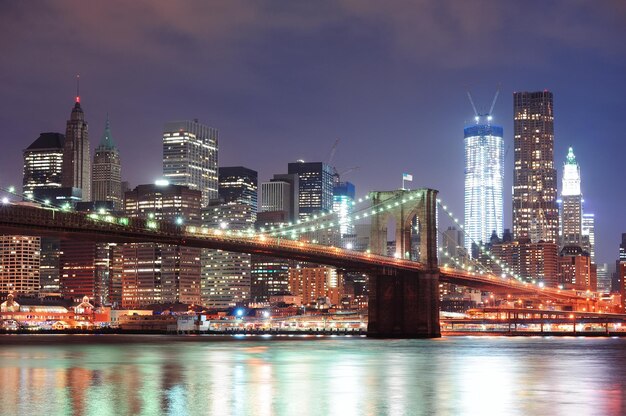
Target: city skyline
(416,110)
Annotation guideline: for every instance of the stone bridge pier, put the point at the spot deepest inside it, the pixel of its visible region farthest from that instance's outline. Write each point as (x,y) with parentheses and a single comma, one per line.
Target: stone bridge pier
(405,304)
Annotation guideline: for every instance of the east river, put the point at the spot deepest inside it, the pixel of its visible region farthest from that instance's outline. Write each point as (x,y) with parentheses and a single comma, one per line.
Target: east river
(300,376)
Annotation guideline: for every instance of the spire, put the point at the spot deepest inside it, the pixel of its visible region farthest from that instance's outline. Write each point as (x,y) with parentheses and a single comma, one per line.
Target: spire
(106,142)
(77,88)
(571,159)
(77,111)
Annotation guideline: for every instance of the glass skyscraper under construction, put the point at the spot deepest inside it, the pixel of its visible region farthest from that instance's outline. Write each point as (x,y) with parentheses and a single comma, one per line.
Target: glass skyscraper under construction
(484,172)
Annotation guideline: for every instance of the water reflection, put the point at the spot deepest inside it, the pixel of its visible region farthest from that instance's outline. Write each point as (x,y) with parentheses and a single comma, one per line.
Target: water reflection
(310,376)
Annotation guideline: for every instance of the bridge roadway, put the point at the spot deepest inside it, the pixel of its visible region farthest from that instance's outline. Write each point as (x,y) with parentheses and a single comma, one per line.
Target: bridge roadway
(29,220)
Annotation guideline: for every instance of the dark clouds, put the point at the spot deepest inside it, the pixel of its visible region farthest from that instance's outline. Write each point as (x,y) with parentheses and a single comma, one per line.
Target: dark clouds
(281,80)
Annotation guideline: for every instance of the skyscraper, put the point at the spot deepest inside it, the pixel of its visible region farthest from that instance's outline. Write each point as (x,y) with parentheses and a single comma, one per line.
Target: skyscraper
(484,174)
(238,185)
(161,273)
(281,194)
(76,154)
(572,202)
(343,199)
(589,235)
(315,187)
(43,163)
(190,157)
(535,212)
(226,275)
(107,171)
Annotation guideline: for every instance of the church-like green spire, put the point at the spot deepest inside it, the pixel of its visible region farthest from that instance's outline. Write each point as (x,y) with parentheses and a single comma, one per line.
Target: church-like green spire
(106,142)
(571,159)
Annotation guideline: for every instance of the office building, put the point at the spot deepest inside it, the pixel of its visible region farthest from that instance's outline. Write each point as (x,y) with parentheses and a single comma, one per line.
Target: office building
(281,194)
(107,171)
(43,163)
(226,274)
(535,212)
(190,157)
(238,185)
(484,175)
(343,205)
(76,153)
(575,269)
(315,188)
(19,264)
(571,203)
(316,285)
(161,273)
(589,235)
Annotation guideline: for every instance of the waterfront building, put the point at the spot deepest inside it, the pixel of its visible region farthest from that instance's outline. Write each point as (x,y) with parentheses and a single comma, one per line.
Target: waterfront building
(316,285)
(19,264)
(571,203)
(107,170)
(484,175)
(190,157)
(43,163)
(535,212)
(76,153)
(161,273)
(269,275)
(226,274)
(315,187)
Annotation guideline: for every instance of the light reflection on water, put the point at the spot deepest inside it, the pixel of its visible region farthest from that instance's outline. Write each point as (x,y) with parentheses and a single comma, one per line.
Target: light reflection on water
(154,375)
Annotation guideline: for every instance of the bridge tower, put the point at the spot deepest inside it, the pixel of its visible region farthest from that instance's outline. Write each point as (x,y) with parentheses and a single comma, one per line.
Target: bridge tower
(405,304)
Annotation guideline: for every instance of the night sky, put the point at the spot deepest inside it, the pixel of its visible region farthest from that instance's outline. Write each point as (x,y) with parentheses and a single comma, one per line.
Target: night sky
(281,80)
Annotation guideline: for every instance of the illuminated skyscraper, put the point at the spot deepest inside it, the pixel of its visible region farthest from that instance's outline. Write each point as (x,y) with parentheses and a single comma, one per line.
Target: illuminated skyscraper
(343,198)
(161,273)
(76,153)
(107,170)
(535,212)
(589,235)
(43,163)
(190,157)
(484,173)
(315,182)
(238,185)
(572,202)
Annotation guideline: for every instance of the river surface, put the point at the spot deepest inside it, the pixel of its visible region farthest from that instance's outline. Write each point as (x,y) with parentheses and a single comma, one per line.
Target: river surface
(300,376)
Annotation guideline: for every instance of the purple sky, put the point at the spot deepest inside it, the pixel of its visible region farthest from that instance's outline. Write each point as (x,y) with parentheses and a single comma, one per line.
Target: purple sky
(282,80)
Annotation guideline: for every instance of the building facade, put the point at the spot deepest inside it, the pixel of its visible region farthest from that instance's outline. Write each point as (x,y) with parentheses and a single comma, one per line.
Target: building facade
(484,175)
(76,153)
(190,157)
(535,211)
(19,264)
(107,171)
(571,203)
(238,185)
(343,205)
(315,188)
(226,275)
(43,163)
(161,273)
